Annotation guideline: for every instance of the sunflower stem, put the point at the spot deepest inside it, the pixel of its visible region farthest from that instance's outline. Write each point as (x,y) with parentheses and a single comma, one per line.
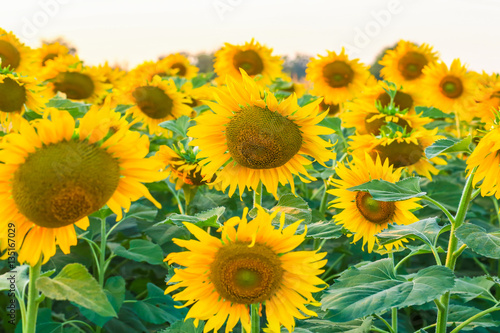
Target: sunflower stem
(322,207)
(33,299)
(255,318)
(257,195)
(440,206)
(102,252)
(394,311)
(476,316)
(451,257)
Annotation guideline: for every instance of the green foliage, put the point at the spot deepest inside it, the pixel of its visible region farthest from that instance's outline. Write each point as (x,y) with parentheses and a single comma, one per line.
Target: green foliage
(444,146)
(383,190)
(426,230)
(141,250)
(479,240)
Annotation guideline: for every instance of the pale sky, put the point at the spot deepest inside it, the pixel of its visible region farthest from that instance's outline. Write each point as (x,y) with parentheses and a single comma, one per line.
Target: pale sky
(132,31)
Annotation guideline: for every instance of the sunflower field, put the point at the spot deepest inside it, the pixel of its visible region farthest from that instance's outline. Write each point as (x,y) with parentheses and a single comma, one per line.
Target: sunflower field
(164,199)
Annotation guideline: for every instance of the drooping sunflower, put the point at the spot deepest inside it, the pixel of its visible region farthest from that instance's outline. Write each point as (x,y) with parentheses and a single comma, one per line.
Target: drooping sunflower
(154,102)
(254,138)
(14,54)
(253,263)
(486,157)
(404,65)
(18,92)
(401,149)
(253,58)
(451,90)
(361,214)
(179,65)
(336,77)
(100,163)
(182,166)
(67,74)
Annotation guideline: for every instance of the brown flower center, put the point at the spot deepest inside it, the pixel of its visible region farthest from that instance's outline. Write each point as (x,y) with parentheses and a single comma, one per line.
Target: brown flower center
(373,126)
(153,102)
(246,275)
(181,69)
(250,61)
(374,211)
(333,109)
(9,55)
(259,138)
(48,57)
(400,154)
(62,183)
(411,64)
(451,86)
(75,85)
(12,95)
(402,100)
(338,74)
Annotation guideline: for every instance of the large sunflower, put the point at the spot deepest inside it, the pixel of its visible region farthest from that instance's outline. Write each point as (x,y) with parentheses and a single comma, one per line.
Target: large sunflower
(53,176)
(18,92)
(67,74)
(336,77)
(361,214)
(14,54)
(251,264)
(404,65)
(253,58)
(154,102)
(453,89)
(254,138)
(179,65)
(486,157)
(401,149)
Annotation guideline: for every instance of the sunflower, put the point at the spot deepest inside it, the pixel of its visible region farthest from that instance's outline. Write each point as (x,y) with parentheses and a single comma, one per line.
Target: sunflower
(154,102)
(14,54)
(68,75)
(333,109)
(179,65)
(336,77)
(488,100)
(361,214)
(113,75)
(182,166)
(251,264)
(401,149)
(253,58)
(486,157)
(100,163)
(18,92)
(404,65)
(254,138)
(48,52)
(452,89)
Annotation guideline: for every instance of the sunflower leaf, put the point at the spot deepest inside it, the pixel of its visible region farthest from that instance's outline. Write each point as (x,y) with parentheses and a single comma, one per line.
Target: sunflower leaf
(460,312)
(479,240)
(327,326)
(184,326)
(375,288)
(159,308)
(426,230)
(469,288)
(178,126)
(76,109)
(208,218)
(141,250)
(450,145)
(322,230)
(383,190)
(74,283)
(432,112)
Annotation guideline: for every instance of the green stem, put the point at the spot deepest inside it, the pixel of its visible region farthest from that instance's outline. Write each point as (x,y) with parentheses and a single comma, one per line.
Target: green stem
(255,319)
(474,317)
(394,311)
(451,258)
(440,206)
(33,300)
(78,322)
(322,206)
(385,322)
(102,254)
(257,195)
(376,329)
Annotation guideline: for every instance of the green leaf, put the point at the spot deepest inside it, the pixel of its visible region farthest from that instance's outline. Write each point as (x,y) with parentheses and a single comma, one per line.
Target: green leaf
(141,250)
(333,123)
(158,308)
(386,191)
(459,313)
(74,283)
(186,326)
(322,230)
(451,145)
(426,230)
(179,126)
(480,241)
(295,209)
(115,292)
(469,288)
(141,212)
(19,276)
(375,288)
(432,112)
(327,326)
(207,218)
(76,109)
